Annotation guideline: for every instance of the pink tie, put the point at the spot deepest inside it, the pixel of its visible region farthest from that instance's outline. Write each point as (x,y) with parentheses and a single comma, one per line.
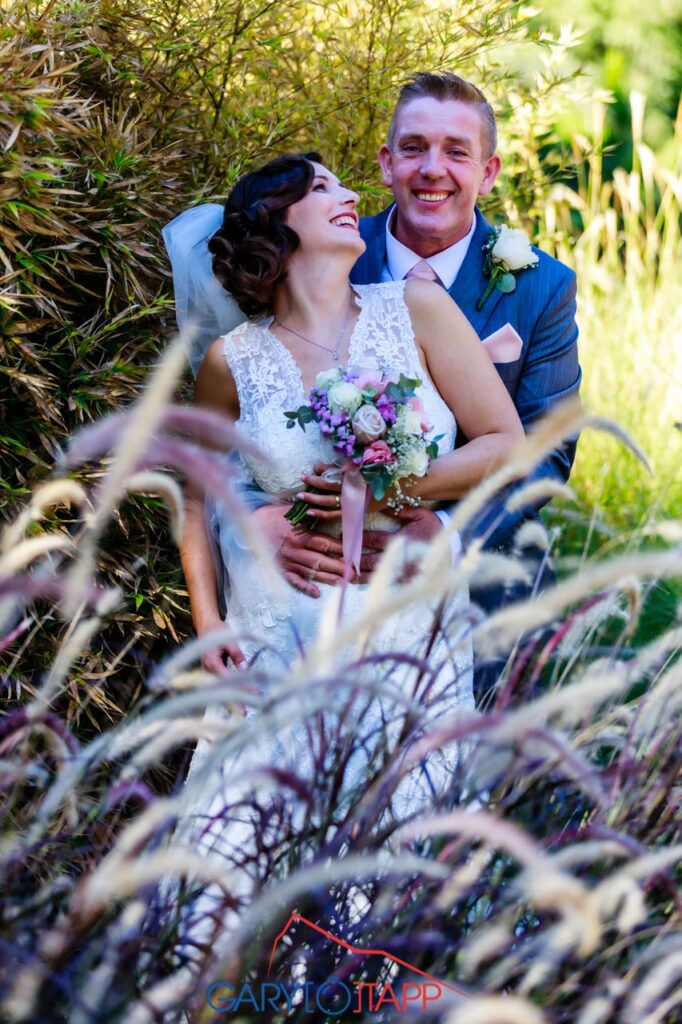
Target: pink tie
(424,271)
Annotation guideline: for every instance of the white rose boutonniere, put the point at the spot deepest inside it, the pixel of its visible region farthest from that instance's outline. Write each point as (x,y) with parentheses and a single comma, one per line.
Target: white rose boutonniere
(507,252)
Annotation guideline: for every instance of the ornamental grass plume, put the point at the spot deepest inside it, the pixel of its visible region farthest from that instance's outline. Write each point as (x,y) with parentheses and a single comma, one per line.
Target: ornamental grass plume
(543,878)
(497,1010)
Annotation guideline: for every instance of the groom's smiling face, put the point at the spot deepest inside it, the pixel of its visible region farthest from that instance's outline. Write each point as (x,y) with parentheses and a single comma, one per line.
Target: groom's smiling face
(437,165)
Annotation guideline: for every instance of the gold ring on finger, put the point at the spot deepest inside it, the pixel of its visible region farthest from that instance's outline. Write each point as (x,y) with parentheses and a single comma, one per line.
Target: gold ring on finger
(338,501)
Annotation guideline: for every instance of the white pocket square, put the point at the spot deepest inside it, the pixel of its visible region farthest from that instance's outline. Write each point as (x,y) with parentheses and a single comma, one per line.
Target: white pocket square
(503,346)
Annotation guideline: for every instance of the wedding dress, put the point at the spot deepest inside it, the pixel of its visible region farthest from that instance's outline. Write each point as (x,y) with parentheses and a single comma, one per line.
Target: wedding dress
(228,808)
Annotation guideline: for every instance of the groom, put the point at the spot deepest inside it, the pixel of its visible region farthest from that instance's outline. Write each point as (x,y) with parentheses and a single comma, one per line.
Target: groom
(438,159)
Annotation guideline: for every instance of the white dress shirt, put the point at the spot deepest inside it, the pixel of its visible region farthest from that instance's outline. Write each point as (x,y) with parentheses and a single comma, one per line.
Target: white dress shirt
(446,264)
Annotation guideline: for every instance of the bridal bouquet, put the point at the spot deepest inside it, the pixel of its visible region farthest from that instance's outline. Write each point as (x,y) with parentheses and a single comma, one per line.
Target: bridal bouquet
(376,427)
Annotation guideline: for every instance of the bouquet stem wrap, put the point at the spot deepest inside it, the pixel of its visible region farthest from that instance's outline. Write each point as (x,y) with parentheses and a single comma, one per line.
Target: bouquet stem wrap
(353,504)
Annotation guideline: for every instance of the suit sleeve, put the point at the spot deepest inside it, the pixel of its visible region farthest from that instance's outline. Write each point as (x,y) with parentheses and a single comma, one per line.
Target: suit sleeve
(550,374)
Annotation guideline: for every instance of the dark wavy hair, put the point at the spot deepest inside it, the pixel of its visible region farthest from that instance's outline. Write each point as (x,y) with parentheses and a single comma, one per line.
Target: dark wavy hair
(252,248)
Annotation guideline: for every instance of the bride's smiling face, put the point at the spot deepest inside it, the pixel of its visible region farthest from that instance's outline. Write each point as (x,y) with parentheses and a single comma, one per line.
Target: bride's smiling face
(326,218)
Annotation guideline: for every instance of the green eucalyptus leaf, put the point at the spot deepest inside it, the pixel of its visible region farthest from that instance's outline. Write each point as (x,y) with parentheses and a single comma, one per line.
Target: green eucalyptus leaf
(506,283)
(408,384)
(379,486)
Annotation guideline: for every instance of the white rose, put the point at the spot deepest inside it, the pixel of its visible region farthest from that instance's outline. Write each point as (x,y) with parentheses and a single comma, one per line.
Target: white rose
(513,248)
(327,378)
(410,421)
(414,462)
(344,397)
(368,424)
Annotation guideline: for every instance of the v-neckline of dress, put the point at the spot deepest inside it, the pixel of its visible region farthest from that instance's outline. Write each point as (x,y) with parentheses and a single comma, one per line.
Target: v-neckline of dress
(293,365)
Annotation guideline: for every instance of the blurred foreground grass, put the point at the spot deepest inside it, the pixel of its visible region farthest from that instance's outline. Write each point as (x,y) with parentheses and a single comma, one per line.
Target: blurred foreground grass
(543,879)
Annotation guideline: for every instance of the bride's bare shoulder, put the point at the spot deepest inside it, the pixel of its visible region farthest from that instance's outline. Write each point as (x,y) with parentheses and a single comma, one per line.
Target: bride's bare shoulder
(215,387)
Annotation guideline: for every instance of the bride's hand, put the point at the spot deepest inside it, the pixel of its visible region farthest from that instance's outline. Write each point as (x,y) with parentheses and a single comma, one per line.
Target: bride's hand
(325,499)
(213,660)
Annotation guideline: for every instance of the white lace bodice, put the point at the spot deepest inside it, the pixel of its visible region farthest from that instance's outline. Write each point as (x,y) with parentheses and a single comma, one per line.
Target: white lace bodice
(269,382)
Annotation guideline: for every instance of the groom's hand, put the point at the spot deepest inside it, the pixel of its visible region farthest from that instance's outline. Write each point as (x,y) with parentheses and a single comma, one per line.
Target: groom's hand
(415,524)
(305,558)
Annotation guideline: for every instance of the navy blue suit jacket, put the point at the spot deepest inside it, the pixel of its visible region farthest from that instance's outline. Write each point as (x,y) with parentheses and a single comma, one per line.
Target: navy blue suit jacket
(542,310)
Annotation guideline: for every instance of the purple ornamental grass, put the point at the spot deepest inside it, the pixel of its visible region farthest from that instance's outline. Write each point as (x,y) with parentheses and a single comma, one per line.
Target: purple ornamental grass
(589,793)
(561,795)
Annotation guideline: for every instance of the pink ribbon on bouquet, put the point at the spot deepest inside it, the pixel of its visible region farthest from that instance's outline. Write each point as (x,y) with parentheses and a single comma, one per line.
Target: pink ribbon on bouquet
(353,502)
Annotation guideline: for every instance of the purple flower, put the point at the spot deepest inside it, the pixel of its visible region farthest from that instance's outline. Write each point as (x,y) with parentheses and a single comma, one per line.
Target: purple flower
(387,409)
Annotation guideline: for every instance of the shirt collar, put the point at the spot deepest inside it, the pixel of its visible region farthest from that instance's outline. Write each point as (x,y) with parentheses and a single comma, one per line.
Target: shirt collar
(400,259)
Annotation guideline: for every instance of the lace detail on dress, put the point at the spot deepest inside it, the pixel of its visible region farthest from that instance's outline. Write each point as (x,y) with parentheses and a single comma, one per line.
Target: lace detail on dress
(269,382)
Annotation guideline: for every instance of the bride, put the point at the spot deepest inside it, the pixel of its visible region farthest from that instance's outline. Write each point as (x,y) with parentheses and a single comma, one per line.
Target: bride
(288,240)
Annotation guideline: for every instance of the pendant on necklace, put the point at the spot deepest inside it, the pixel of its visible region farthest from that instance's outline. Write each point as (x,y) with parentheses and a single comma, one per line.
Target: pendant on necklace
(335,354)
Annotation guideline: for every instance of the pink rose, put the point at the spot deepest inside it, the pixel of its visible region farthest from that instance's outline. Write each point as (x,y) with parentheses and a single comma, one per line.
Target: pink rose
(373,379)
(377,452)
(368,424)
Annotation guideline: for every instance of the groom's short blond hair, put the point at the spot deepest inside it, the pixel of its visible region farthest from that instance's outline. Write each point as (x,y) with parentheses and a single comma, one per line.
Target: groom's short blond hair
(445,85)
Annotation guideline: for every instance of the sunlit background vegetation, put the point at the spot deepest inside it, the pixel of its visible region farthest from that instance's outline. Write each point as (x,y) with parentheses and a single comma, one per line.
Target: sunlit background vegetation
(116,115)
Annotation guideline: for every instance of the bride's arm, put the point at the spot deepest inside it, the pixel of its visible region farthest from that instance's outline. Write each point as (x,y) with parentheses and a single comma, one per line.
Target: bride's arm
(215,390)
(464,374)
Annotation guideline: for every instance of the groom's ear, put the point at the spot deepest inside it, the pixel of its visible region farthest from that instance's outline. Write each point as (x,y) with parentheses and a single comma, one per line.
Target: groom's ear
(490,172)
(386,166)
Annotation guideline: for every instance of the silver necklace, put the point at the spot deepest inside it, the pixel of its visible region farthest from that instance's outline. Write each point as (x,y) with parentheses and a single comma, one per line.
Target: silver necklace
(333,352)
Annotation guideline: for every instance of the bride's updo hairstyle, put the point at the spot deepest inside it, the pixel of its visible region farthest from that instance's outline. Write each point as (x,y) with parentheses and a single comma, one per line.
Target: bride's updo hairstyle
(252,248)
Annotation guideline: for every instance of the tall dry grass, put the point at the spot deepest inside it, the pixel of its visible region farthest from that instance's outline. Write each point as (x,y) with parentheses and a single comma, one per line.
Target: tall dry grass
(624,238)
(544,884)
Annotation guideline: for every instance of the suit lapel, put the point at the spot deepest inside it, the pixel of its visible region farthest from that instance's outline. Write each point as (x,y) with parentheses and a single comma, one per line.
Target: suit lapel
(369,267)
(471,282)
